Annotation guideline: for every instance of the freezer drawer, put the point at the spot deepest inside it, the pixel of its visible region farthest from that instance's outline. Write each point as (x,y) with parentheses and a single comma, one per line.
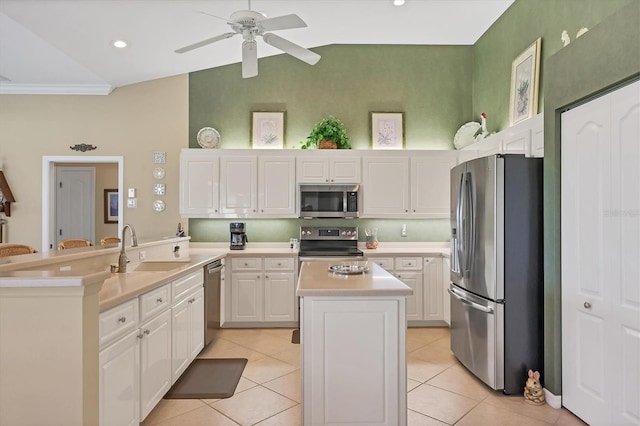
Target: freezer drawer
(477,335)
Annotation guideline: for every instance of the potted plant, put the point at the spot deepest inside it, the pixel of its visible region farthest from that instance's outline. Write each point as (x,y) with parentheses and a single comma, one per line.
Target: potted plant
(328,133)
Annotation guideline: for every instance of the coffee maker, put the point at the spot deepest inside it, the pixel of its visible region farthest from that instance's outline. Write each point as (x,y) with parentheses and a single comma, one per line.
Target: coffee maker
(238,236)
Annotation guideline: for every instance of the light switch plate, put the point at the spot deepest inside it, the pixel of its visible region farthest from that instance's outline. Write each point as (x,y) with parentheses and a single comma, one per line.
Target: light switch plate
(132,192)
(132,203)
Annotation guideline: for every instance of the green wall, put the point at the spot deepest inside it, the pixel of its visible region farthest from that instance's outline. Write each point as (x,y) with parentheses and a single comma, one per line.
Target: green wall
(512,33)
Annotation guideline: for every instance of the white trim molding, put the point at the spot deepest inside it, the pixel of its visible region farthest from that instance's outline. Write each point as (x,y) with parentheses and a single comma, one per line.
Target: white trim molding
(7,88)
(554,401)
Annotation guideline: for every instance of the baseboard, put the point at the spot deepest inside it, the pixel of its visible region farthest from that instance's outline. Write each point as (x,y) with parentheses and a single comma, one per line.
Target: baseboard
(554,401)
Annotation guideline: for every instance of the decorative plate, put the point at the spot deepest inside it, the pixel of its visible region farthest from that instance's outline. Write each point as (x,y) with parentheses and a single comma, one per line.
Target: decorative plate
(208,137)
(348,269)
(158,205)
(158,173)
(465,134)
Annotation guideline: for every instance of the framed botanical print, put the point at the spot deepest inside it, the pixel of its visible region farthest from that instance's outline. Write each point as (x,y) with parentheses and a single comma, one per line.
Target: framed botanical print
(387,130)
(267,130)
(525,71)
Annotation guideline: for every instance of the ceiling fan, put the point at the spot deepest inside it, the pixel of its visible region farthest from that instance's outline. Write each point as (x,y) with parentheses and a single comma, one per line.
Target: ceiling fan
(251,24)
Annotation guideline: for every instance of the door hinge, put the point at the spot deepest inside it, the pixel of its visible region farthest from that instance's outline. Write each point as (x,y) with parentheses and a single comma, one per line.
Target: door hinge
(61,232)
(60,184)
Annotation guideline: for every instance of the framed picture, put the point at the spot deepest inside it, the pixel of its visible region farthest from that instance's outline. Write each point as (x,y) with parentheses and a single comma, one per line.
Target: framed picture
(110,206)
(267,130)
(387,130)
(525,71)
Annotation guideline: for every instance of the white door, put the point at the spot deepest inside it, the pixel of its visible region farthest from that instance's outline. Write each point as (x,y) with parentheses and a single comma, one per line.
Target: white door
(276,186)
(238,185)
(430,176)
(246,296)
(155,362)
(75,203)
(432,289)
(414,302)
(385,184)
(279,296)
(600,225)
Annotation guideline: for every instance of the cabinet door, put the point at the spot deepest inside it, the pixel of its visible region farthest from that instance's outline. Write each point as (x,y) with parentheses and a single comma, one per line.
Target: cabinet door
(517,142)
(179,339)
(196,323)
(385,184)
(279,295)
(312,169)
(277,186)
(345,170)
(120,382)
(432,288)
(198,184)
(414,302)
(238,185)
(246,296)
(430,176)
(446,301)
(155,362)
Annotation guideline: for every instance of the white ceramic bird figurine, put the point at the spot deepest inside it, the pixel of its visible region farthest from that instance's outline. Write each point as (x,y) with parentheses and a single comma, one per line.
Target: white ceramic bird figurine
(482,131)
(565,38)
(581,31)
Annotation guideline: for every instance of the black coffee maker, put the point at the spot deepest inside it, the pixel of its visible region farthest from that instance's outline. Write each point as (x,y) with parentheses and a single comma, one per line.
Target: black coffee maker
(238,236)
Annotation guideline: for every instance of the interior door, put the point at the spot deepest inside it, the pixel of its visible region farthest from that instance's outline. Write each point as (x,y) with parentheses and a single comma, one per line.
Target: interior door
(600,258)
(75,203)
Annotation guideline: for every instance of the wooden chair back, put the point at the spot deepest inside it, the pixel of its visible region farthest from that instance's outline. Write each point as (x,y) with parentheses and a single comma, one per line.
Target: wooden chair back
(74,243)
(109,240)
(15,249)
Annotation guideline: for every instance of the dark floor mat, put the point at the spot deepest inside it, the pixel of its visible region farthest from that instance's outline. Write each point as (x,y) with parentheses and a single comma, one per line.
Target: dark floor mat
(295,337)
(208,379)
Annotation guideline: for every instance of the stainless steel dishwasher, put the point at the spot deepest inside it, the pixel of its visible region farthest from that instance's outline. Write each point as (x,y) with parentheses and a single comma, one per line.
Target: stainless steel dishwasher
(212,279)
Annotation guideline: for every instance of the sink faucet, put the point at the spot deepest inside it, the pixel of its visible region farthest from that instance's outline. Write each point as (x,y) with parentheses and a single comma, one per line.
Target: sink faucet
(122,260)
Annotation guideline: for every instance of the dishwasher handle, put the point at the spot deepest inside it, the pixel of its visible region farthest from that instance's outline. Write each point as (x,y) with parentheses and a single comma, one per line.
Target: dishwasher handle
(214,267)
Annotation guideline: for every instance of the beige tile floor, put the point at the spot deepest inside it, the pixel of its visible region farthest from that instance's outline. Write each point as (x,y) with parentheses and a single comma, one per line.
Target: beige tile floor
(440,390)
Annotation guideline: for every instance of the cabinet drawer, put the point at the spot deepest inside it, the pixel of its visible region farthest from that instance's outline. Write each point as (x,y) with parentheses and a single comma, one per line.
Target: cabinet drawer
(385,262)
(155,302)
(408,263)
(183,285)
(278,263)
(246,263)
(116,321)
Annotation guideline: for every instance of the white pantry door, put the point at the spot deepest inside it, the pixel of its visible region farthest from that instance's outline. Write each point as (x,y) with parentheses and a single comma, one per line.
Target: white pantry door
(600,224)
(75,203)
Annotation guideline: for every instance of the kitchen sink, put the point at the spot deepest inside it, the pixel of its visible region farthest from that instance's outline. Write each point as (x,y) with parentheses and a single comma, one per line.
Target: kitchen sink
(158,266)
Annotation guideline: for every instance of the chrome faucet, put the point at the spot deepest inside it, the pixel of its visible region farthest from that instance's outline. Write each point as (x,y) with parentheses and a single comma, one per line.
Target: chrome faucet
(122,260)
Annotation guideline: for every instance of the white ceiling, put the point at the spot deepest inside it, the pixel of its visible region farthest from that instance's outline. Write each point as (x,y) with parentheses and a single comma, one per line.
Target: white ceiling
(64,46)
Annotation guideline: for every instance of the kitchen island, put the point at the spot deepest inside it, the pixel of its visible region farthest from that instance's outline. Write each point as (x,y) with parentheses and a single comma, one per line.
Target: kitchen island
(353,337)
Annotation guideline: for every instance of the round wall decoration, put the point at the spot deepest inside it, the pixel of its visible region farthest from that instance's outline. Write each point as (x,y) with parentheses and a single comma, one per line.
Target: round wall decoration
(208,137)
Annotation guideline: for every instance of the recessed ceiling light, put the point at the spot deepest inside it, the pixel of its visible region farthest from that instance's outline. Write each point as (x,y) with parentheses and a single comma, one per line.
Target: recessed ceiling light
(120,44)
(398,2)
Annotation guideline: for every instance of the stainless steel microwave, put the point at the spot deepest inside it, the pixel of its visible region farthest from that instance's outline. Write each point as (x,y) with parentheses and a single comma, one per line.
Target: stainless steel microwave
(318,200)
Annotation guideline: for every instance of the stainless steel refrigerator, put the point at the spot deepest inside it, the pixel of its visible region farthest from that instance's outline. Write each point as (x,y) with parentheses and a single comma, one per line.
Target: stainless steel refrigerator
(496,288)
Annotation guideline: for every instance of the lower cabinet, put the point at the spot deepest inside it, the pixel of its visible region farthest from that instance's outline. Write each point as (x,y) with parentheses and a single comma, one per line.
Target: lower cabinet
(139,364)
(266,294)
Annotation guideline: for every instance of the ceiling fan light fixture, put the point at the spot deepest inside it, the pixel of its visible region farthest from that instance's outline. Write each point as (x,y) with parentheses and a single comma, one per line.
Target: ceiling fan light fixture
(120,44)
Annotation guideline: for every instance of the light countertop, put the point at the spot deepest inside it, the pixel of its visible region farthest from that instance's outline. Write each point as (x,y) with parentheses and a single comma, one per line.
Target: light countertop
(317,280)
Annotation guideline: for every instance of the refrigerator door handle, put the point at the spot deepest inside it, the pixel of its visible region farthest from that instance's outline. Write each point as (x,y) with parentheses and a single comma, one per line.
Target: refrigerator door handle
(470,219)
(459,242)
(474,305)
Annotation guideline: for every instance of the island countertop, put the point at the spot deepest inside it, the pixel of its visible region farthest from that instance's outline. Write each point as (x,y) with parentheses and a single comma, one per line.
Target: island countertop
(317,280)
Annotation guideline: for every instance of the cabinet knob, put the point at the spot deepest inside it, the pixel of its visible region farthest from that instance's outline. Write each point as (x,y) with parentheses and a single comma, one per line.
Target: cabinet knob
(427,260)
(140,336)
(406,211)
(262,211)
(246,264)
(159,300)
(122,319)
(587,305)
(257,276)
(147,331)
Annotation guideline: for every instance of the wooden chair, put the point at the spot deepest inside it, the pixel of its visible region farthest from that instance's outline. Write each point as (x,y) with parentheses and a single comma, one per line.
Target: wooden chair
(109,240)
(74,243)
(15,249)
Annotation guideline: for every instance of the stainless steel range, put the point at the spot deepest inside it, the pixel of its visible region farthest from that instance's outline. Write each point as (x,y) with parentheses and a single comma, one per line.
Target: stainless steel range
(328,242)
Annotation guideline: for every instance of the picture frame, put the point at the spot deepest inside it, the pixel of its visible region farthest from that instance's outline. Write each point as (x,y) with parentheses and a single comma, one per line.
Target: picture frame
(525,74)
(267,129)
(387,130)
(111,206)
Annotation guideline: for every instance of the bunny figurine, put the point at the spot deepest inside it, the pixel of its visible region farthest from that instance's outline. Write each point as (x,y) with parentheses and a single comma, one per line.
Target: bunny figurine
(533,393)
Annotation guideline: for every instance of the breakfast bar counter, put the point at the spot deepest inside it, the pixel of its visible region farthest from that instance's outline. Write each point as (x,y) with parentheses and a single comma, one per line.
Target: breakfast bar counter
(353,336)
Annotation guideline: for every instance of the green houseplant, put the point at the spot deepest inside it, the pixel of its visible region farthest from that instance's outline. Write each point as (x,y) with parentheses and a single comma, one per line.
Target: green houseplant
(328,133)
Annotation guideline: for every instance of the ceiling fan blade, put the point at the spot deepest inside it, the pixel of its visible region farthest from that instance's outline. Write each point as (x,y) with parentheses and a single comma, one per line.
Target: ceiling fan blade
(282,23)
(205,42)
(292,49)
(249,59)
(218,17)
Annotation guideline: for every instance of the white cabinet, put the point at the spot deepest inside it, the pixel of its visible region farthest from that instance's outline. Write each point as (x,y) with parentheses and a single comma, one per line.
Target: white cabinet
(263,290)
(385,186)
(446,301)
(277,186)
(120,382)
(424,275)
(238,185)
(199,183)
(318,168)
(187,331)
(433,309)
(155,362)
(430,194)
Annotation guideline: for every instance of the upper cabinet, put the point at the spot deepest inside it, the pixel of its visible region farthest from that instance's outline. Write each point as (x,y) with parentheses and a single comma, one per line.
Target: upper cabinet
(277,186)
(339,166)
(385,186)
(238,185)
(199,183)
(430,184)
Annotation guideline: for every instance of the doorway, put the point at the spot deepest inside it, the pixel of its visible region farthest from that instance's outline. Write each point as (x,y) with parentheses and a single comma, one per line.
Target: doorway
(75,189)
(49,164)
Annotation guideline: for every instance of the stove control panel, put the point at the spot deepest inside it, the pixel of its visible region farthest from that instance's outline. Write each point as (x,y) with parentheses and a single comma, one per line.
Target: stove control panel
(328,233)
